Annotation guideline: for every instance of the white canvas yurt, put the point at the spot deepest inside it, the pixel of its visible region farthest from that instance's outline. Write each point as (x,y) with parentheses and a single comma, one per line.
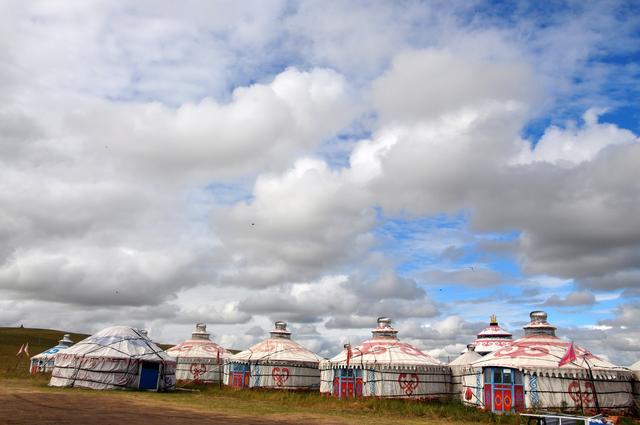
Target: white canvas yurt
(118,357)
(199,360)
(635,368)
(277,362)
(465,379)
(43,362)
(492,338)
(527,375)
(383,366)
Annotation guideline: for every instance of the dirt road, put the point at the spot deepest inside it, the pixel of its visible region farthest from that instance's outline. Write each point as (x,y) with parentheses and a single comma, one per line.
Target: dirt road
(36,408)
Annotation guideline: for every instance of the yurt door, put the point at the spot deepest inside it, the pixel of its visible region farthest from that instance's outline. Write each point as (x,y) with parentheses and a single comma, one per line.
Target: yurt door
(503,391)
(239,377)
(348,383)
(149,376)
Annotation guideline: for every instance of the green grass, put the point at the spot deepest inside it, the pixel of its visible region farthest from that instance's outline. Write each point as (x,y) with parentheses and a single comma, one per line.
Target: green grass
(39,340)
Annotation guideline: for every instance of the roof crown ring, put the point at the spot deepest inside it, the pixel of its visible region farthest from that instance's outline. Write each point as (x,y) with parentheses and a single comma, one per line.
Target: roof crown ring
(66,340)
(539,325)
(280,330)
(200,332)
(384,329)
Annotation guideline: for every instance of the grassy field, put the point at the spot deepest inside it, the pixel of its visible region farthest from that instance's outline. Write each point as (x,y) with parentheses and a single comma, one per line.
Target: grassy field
(252,403)
(39,340)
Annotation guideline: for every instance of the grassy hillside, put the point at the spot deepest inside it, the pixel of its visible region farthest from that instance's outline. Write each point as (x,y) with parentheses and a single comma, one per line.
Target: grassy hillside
(39,340)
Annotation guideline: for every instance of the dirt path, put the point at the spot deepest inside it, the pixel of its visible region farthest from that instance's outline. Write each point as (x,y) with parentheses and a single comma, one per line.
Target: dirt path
(36,408)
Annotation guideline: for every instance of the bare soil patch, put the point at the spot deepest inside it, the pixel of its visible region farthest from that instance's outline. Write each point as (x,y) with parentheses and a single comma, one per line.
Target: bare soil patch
(36,407)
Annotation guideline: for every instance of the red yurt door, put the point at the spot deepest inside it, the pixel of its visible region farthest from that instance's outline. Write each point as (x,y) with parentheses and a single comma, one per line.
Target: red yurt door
(503,391)
(347,383)
(239,375)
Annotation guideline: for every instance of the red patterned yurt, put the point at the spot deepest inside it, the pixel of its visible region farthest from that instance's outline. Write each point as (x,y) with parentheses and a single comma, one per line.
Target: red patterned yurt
(527,375)
(465,379)
(199,360)
(43,362)
(383,366)
(492,338)
(277,362)
(118,357)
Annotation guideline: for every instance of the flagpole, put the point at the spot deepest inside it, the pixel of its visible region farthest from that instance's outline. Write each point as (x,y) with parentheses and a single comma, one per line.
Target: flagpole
(219,371)
(18,361)
(593,384)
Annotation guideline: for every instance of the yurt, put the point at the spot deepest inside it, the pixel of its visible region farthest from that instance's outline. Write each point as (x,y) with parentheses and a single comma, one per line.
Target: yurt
(383,366)
(199,360)
(277,362)
(635,368)
(541,371)
(118,357)
(43,362)
(465,379)
(492,338)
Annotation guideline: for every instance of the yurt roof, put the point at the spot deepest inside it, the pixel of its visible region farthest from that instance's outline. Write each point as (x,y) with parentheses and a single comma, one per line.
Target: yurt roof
(118,342)
(63,344)
(198,346)
(467,357)
(541,349)
(492,338)
(278,348)
(384,350)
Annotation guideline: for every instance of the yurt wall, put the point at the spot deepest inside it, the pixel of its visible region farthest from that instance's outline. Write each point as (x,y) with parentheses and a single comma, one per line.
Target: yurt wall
(277,362)
(383,366)
(44,362)
(199,360)
(466,381)
(118,357)
(528,375)
(635,368)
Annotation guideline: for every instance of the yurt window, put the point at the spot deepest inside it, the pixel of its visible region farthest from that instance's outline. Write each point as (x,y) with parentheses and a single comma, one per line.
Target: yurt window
(239,376)
(348,383)
(503,391)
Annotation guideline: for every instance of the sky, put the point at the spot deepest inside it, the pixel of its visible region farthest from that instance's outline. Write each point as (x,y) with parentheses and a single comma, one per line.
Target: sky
(322,163)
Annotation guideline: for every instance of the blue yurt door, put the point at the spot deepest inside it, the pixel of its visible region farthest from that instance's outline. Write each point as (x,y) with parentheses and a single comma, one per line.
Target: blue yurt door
(347,383)
(503,390)
(149,376)
(239,375)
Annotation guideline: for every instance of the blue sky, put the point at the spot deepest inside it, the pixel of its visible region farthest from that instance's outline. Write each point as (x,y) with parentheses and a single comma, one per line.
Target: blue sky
(325,164)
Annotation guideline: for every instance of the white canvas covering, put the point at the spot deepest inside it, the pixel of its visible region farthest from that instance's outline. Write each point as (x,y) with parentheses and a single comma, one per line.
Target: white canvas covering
(465,379)
(199,359)
(492,338)
(43,362)
(277,362)
(635,368)
(575,385)
(387,367)
(112,359)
